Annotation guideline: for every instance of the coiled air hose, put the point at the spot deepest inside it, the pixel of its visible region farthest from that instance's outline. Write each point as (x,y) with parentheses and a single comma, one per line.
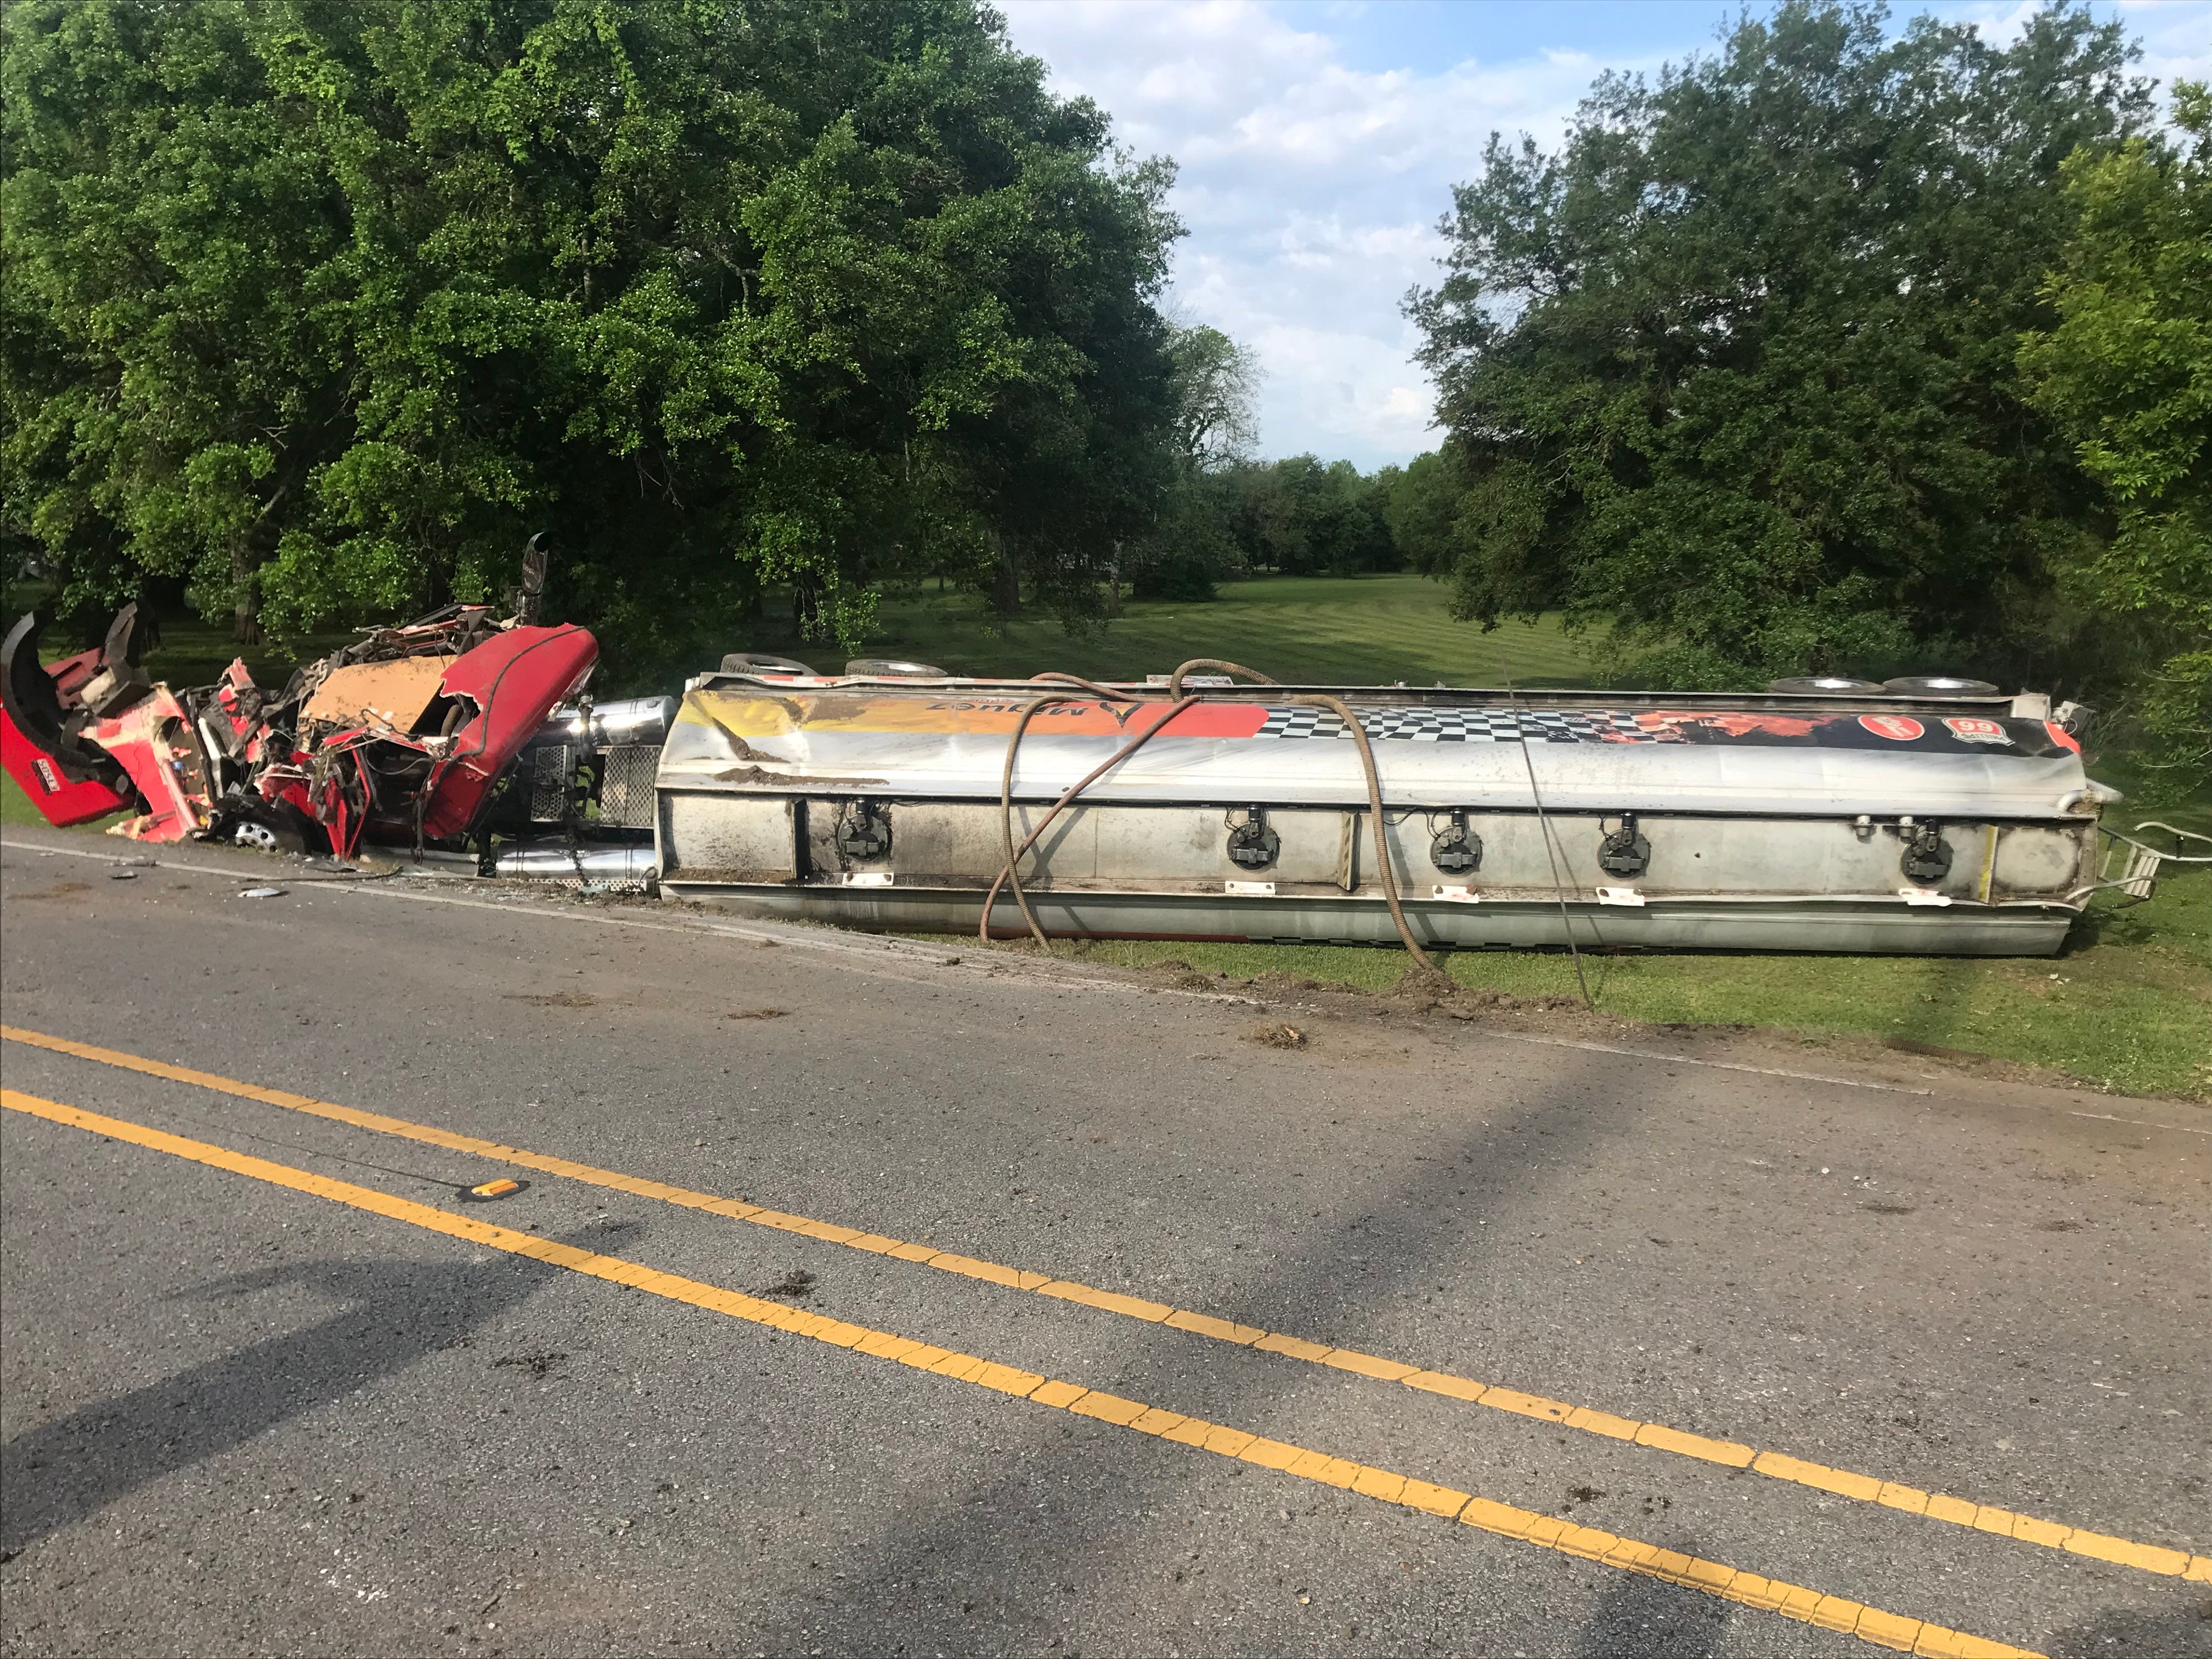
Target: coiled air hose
(1009,876)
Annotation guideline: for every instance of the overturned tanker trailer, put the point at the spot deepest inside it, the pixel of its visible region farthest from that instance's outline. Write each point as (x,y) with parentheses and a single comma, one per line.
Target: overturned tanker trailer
(1934,818)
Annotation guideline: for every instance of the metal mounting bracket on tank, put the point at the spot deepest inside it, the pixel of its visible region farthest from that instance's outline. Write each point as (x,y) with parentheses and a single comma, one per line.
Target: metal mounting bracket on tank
(2138,874)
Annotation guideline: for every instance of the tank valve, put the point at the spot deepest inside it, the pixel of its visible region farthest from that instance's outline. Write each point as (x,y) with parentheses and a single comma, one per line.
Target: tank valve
(1926,860)
(1252,845)
(864,832)
(1457,849)
(1624,853)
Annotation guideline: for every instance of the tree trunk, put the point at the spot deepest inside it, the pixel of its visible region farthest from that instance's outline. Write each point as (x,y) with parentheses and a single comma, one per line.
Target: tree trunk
(1114,583)
(1005,576)
(805,605)
(245,598)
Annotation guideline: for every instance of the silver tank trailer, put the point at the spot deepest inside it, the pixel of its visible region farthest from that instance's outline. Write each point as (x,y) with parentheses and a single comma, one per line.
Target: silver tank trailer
(1946,824)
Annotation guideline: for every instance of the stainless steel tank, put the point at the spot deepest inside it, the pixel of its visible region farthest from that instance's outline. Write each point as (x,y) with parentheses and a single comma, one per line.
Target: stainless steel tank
(1957,824)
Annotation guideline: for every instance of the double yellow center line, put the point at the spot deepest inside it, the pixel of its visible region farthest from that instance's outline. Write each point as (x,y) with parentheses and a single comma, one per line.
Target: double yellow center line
(1835,1613)
(1779,1466)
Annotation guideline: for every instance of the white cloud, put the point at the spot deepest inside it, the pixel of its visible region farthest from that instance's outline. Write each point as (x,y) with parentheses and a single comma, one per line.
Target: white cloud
(2177,40)
(1311,189)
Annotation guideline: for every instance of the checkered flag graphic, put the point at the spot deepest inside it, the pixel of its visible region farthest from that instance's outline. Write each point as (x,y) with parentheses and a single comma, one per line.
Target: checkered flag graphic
(1421,724)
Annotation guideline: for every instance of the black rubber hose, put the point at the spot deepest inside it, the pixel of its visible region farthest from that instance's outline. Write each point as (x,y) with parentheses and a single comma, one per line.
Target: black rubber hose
(1175,680)
(1009,875)
(1112,694)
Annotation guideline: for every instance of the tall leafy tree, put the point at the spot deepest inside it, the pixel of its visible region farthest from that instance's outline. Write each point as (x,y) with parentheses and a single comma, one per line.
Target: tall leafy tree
(1217,383)
(1304,516)
(1421,506)
(1188,546)
(1733,370)
(325,305)
(2127,375)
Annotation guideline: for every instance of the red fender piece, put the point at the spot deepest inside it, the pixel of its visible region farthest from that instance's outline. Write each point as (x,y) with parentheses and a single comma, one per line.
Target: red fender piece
(514,681)
(63,802)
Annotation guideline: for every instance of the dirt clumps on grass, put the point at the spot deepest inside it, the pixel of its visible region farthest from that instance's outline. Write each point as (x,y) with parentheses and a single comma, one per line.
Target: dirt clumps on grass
(1426,988)
(1181,976)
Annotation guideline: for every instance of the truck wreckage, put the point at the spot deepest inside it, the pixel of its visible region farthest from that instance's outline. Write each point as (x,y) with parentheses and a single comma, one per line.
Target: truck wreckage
(458,729)
(1929,816)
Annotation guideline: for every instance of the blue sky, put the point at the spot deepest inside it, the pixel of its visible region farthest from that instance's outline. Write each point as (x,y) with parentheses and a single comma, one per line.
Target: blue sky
(1319,139)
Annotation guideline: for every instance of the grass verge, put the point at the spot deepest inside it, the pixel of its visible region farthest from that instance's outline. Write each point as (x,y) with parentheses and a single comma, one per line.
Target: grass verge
(2126,1008)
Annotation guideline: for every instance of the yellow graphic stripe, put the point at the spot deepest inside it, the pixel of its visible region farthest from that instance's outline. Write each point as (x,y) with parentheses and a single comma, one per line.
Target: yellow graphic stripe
(973,714)
(1839,1483)
(1810,1606)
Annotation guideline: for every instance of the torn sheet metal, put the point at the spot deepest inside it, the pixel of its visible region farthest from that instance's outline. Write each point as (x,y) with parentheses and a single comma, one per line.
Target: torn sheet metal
(404,738)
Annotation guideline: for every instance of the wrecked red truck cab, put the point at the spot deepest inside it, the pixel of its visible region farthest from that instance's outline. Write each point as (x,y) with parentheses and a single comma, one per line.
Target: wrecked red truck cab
(403,738)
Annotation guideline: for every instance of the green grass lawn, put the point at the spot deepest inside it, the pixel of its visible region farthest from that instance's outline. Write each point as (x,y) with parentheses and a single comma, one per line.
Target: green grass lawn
(1309,629)
(2128,1007)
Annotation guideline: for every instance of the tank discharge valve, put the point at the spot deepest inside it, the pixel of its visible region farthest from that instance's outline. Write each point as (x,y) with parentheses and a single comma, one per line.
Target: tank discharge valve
(1625,852)
(1456,849)
(864,832)
(1926,860)
(1252,844)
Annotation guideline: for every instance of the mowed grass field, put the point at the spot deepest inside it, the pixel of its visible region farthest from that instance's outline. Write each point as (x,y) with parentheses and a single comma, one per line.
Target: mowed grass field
(2128,1007)
(1298,630)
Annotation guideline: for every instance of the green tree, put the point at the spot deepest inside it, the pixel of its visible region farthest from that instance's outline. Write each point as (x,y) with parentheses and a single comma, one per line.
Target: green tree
(1420,509)
(2127,375)
(1303,516)
(1188,547)
(325,305)
(1733,370)
(1217,380)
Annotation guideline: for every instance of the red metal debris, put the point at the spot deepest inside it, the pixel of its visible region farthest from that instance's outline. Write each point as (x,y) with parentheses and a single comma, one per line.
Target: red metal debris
(403,736)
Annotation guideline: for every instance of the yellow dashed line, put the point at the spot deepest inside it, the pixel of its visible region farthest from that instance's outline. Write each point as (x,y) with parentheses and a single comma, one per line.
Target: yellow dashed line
(1841,1482)
(1711,1577)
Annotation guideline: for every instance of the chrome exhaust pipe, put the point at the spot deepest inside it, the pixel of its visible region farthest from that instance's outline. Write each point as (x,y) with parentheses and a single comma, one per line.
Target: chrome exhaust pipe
(631,720)
(580,864)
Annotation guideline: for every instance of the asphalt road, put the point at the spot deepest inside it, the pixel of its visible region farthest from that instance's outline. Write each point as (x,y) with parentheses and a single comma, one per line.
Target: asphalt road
(242,1416)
